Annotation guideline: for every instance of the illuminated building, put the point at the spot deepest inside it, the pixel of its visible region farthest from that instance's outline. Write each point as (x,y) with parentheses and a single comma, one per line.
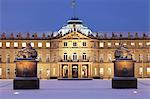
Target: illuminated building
(75,52)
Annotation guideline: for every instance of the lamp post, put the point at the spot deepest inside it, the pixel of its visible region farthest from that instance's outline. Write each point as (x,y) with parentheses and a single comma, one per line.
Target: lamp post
(142,69)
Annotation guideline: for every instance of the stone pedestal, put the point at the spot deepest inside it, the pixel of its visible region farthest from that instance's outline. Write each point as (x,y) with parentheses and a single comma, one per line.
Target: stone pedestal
(26,83)
(124,74)
(124,82)
(26,74)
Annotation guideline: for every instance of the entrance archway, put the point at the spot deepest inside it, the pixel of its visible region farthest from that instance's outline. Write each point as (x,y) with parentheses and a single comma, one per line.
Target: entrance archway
(74,71)
(65,71)
(84,71)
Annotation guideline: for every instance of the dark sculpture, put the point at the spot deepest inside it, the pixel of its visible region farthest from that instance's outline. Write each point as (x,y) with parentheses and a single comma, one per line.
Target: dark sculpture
(27,52)
(123,53)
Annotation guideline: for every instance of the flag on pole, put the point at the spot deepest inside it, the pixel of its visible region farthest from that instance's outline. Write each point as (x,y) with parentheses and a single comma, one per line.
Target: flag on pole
(73,3)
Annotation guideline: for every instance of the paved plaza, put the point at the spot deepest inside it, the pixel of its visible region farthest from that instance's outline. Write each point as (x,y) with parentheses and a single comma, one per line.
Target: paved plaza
(75,89)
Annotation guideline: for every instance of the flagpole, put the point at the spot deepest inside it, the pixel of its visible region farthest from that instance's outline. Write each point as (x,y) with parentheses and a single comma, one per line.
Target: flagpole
(74,8)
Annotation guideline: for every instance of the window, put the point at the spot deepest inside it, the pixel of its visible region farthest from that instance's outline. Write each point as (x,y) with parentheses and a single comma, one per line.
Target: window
(140,71)
(148,70)
(109,44)
(74,43)
(101,44)
(148,43)
(15,44)
(132,44)
(84,43)
(39,44)
(47,58)
(101,71)
(101,57)
(7,44)
(124,44)
(95,71)
(75,56)
(47,44)
(65,43)
(0,44)
(23,44)
(0,71)
(116,44)
(65,56)
(84,56)
(140,44)
(32,44)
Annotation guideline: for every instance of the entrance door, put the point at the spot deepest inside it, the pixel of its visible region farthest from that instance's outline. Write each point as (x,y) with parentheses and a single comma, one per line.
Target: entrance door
(84,71)
(74,71)
(65,71)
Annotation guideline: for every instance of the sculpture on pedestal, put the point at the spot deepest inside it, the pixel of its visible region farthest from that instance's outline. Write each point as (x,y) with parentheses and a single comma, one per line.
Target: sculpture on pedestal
(123,69)
(26,69)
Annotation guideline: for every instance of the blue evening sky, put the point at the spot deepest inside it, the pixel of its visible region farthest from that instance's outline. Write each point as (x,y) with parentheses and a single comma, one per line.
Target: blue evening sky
(51,15)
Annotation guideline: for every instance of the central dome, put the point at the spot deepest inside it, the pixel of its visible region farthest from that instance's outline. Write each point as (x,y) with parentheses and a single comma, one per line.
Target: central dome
(75,24)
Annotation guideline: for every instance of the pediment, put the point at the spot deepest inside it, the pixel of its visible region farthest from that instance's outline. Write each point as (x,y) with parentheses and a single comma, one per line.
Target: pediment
(75,35)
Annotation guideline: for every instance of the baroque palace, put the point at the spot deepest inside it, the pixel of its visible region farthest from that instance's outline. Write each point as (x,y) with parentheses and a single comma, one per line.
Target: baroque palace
(75,52)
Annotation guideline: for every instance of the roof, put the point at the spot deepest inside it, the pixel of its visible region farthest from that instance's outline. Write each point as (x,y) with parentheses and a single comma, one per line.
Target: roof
(74,24)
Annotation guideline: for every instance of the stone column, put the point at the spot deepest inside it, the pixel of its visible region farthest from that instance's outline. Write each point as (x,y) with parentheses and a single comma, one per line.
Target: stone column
(60,71)
(89,71)
(79,70)
(69,70)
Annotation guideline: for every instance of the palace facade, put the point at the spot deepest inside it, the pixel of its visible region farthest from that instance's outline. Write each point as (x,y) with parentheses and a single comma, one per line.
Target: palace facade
(75,52)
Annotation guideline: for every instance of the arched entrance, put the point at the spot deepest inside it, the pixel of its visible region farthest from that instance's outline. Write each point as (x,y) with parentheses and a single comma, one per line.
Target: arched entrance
(75,71)
(65,71)
(84,71)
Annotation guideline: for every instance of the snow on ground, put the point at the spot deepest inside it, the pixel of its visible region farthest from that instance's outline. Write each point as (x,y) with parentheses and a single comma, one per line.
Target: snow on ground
(77,89)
